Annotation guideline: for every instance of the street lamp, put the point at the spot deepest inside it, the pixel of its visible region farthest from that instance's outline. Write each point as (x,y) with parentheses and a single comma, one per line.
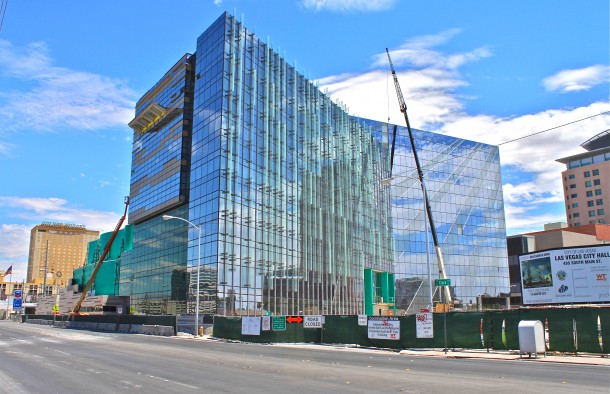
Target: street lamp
(168,217)
(388,182)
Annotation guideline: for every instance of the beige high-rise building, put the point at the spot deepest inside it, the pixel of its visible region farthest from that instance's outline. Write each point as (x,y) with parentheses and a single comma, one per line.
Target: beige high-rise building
(586,183)
(57,249)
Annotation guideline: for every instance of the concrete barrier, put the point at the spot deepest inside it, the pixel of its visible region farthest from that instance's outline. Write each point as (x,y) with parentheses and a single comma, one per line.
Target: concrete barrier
(146,329)
(156,330)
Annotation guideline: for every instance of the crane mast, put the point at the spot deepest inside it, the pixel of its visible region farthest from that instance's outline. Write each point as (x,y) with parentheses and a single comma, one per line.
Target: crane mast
(439,255)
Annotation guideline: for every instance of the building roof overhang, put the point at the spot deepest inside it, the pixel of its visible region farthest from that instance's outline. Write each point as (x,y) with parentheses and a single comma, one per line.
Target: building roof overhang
(152,117)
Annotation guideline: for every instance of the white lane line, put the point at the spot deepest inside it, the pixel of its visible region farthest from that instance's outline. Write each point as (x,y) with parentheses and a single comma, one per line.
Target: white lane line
(23,355)
(173,381)
(48,340)
(131,384)
(67,354)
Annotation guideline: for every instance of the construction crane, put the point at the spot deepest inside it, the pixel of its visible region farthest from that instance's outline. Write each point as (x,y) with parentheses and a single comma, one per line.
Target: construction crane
(99,263)
(403,108)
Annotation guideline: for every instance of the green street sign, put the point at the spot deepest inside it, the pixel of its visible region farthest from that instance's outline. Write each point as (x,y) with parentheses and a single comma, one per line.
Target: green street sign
(278,323)
(443,282)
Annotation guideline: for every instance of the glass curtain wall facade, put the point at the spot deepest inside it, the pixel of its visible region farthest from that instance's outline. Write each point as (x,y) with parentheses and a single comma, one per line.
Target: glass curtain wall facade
(285,184)
(464,188)
(154,273)
(287,189)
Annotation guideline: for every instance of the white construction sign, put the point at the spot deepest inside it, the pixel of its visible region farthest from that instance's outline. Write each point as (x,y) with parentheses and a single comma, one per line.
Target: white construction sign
(566,275)
(266,323)
(313,321)
(424,327)
(250,325)
(383,327)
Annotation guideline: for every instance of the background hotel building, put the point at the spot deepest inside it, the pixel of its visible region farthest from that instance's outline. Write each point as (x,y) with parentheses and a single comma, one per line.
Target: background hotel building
(287,188)
(586,182)
(57,249)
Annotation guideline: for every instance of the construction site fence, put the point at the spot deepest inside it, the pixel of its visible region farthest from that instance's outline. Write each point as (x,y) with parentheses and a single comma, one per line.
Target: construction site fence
(569,330)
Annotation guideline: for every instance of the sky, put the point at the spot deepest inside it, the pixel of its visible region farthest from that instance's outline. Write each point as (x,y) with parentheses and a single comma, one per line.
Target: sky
(490,71)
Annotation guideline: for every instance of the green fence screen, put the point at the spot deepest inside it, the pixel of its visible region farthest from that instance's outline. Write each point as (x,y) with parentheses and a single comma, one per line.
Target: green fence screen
(570,330)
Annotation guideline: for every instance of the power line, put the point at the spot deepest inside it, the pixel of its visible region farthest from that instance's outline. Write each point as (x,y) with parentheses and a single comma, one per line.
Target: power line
(553,128)
(3,6)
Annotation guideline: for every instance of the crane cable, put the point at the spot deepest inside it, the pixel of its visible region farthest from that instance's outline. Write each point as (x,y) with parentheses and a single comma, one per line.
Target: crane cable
(553,128)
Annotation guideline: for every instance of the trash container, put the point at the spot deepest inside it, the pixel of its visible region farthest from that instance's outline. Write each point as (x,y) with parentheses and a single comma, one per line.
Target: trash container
(531,338)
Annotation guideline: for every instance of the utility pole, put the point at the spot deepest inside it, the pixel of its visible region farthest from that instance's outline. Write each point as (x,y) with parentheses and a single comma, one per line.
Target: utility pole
(46,267)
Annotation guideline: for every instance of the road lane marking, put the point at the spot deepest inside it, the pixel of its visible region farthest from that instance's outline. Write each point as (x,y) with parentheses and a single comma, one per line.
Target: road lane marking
(173,381)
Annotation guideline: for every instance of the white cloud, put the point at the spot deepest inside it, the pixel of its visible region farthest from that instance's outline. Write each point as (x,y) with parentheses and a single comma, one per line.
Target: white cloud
(429,89)
(5,147)
(578,79)
(528,219)
(58,96)
(14,244)
(348,5)
(218,2)
(38,210)
(15,238)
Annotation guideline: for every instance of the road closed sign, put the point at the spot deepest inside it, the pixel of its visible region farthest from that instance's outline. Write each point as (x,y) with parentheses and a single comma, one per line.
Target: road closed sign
(313,321)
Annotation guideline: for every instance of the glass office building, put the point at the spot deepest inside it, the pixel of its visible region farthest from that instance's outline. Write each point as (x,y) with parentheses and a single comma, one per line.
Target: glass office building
(287,189)
(464,189)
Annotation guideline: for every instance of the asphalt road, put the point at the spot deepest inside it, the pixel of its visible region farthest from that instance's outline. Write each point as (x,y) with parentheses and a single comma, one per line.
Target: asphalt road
(42,359)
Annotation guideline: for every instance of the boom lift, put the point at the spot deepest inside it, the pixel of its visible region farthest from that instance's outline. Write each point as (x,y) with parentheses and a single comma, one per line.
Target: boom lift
(439,255)
(99,263)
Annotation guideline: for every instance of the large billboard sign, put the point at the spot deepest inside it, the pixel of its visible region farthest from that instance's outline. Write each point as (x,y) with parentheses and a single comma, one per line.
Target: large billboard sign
(566,275)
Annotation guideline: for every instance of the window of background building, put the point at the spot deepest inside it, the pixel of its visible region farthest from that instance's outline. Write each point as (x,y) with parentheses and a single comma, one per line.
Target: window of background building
(576,224)
(575,195)
(589,193)
(577,215)
(599,201)
(600,212)
(597,182)
(572,186)
(587,174)
(591,213)
(590,203)
(575,205)
(595,172)
(588,183)
(572,176)
(598,192)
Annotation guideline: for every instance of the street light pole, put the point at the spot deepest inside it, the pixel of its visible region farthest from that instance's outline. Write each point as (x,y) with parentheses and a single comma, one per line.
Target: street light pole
(168,217)
(430,293)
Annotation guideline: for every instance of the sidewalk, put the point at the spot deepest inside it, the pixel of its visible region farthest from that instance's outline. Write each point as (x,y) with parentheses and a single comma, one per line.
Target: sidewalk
(590,359)
(552,357)
(508,355)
